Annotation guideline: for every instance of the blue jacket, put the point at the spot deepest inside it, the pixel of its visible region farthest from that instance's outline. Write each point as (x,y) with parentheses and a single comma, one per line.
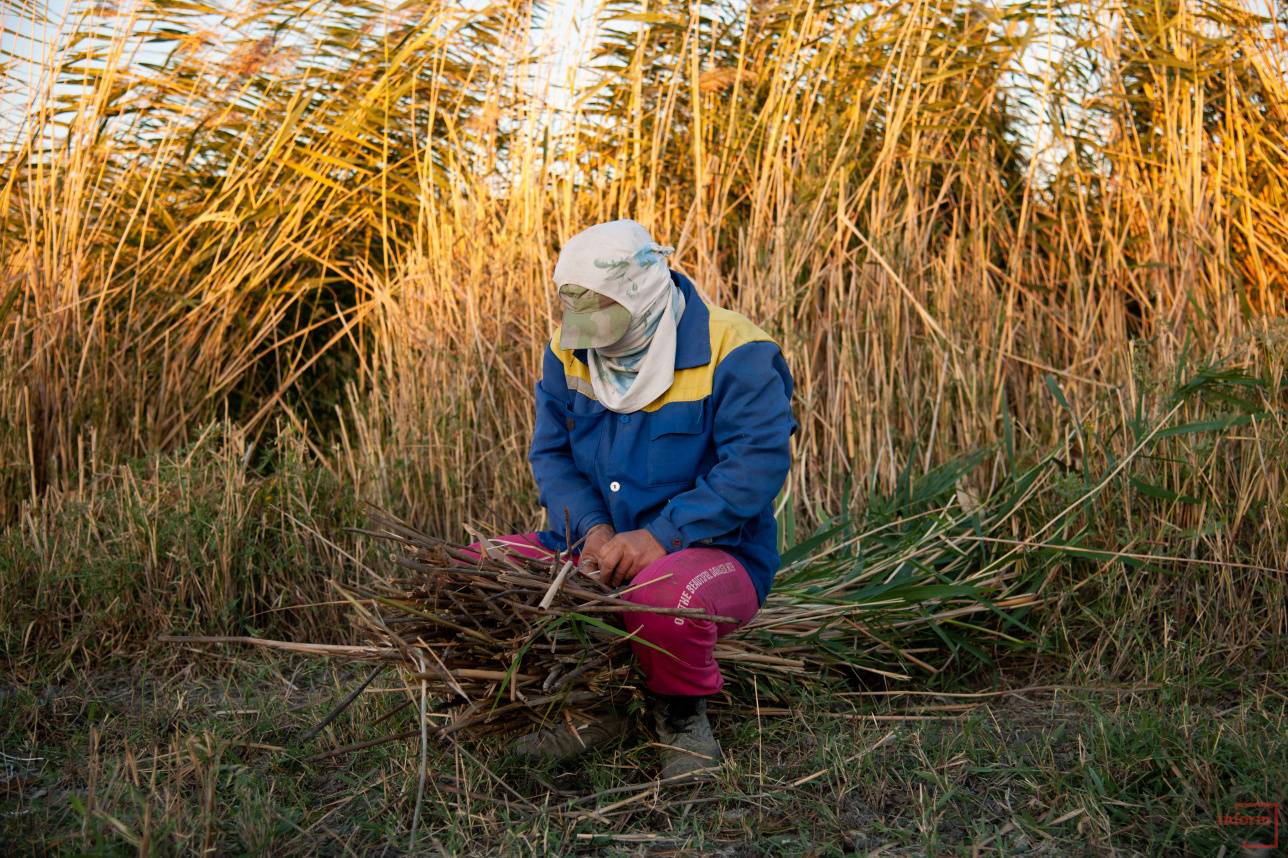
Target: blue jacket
(699,466)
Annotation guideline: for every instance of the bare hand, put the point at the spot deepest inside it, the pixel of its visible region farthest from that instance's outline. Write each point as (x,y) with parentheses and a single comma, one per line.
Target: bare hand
(596,538)
(626,555)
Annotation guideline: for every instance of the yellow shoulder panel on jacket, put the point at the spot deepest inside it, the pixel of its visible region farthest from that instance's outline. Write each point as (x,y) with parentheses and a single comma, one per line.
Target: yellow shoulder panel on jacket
(689,385)
(727,330)
(730,330)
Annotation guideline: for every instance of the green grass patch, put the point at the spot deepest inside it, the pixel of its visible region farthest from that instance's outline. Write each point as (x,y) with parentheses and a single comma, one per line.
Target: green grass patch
(213,761)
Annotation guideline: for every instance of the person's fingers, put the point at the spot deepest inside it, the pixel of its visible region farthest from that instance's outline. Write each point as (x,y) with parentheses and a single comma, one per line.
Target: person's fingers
(618,573)
(608,558)
(622,569)
(634,567)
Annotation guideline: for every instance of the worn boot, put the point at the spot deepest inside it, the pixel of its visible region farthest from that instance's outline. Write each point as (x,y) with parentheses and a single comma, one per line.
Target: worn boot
(688,746)
(560,743)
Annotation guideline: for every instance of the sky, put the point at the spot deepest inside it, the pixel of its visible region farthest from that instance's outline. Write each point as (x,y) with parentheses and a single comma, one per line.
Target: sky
(24,42)
(560,42)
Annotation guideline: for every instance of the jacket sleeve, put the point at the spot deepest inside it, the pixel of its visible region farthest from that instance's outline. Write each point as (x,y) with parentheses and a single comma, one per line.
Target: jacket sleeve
(560,484)
(752,427)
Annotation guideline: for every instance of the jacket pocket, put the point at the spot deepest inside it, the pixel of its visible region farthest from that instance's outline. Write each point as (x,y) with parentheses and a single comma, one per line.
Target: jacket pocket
(584,419)
(678,442)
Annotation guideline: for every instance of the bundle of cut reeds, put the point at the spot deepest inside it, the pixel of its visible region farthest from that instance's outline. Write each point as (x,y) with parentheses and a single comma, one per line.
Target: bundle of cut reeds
(501,642)
(504,640)
(508,641)
(934,574)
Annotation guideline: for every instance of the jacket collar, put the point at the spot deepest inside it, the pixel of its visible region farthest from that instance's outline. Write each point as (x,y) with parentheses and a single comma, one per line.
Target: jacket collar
(692,335)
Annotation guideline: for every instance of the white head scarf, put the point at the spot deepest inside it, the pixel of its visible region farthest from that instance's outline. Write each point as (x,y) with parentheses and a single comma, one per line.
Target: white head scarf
(620,259)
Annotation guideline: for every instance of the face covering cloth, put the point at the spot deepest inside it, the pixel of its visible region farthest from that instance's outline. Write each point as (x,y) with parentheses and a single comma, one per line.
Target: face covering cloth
(620,260)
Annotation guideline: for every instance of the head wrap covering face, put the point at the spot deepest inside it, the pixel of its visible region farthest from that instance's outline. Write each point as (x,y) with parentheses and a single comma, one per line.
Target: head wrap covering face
(620,260)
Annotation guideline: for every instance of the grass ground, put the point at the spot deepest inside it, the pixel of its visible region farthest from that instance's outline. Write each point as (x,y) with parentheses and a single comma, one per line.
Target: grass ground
(212,760)
(1145,702)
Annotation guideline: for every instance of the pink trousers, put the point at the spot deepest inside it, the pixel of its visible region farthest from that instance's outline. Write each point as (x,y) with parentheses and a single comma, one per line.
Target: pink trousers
(700,578)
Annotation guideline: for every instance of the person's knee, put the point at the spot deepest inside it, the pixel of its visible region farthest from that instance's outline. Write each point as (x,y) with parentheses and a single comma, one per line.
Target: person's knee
(652,588)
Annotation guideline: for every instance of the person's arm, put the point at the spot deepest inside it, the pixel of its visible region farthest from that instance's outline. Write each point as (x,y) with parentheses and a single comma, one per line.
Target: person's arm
(559,482)
(752,428)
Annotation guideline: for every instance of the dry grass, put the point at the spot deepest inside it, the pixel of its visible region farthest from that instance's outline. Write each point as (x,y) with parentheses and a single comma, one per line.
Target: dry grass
(267,217)
(260,263)
(972,228)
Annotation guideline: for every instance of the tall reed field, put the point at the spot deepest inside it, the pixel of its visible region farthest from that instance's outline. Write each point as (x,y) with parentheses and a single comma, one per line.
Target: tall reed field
(240,242)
